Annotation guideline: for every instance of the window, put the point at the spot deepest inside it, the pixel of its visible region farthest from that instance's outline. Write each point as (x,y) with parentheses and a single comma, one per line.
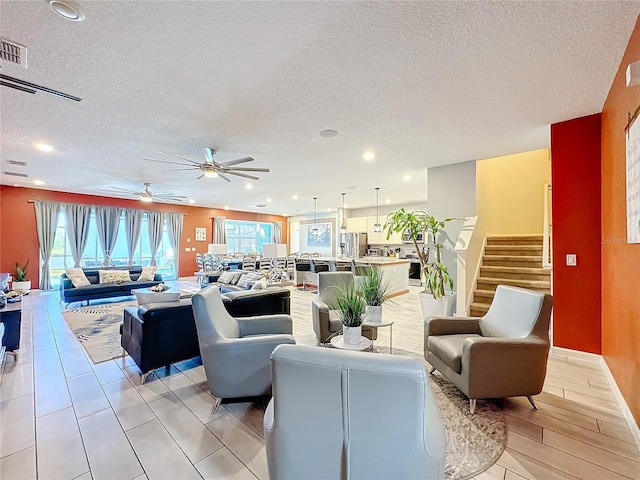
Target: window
(248,237)
(61,256)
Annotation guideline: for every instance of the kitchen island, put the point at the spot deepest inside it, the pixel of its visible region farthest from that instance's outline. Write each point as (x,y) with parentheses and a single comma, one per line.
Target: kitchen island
(394,270)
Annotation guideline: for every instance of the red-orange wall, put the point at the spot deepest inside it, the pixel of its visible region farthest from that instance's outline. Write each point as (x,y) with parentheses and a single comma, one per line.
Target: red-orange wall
(575,180)
(620,261)
(19,240)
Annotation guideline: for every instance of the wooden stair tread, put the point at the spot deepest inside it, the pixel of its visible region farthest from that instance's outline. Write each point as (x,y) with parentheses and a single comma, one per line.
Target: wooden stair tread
(519,258)
(515,282)
(507,269)
(509,247)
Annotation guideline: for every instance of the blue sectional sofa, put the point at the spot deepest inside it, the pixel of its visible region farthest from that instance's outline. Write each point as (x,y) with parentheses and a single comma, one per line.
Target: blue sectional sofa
(69,293)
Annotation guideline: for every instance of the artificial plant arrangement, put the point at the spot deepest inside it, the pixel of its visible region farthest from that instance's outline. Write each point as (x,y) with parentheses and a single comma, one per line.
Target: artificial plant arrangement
(351,308)
(434,273)
(375,290)
(21,272)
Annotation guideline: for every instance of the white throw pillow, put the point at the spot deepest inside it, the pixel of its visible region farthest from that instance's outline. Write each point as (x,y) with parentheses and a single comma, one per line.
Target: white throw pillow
(260,285)
(243,281)
(77,277)
(148,274)
(226,277)
(114,276)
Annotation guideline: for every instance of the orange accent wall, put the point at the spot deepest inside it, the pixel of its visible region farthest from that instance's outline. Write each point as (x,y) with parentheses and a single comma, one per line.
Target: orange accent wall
(576,207)
(620,261)
(19,239)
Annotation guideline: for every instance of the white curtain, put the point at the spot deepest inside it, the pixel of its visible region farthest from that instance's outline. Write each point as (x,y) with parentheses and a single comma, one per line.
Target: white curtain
(174,226)
(46,224)
(107,223)
(132,228)
(219,230)
(277,232)
(156,224)
(77,217)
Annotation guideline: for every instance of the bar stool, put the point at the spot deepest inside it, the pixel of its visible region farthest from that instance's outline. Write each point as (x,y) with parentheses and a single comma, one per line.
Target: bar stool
(303,266)
(318,266)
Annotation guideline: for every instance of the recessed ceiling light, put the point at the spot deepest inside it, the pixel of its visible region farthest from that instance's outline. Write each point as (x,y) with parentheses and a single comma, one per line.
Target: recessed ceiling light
(284,214)
(67,9)
(268,200)
(329,209)
(191,200)
(39,182)
(388,200)
(369,155)
(248,186)
(406,178)
(294,196)
(43,147)
(226,207)
(346,205)
(328,133)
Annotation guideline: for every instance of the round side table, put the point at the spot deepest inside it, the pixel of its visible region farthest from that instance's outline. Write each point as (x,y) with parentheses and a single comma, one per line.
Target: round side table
(383,323)
(338,342)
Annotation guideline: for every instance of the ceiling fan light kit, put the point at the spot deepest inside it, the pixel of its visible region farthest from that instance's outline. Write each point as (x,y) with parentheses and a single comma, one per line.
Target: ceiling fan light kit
(210,168)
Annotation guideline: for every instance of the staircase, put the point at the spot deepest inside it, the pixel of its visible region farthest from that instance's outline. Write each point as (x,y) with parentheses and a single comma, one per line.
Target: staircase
(510,260)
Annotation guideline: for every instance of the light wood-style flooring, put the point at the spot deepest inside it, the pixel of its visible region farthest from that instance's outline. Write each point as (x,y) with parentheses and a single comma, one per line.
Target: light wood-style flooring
(62,417)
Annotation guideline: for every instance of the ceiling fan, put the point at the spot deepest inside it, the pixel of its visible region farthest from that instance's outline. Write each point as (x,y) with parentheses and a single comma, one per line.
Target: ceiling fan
(210,168)
(147,195)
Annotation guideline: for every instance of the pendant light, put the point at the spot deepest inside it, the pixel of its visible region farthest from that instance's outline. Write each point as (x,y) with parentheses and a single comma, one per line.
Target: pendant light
(377,227)
(343,227)
(314,230)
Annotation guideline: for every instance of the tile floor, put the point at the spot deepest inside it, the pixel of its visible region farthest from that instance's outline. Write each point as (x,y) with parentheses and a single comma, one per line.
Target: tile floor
(62,417)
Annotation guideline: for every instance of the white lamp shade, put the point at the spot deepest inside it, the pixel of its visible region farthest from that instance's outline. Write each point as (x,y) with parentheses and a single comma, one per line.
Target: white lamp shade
(274,250)
(217,248)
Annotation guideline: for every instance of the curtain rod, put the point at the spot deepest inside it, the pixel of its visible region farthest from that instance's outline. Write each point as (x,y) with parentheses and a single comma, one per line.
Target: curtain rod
(92,205)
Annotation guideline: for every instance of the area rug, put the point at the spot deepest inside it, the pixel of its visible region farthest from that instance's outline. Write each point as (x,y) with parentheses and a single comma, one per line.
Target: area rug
(474,442)
(98,329)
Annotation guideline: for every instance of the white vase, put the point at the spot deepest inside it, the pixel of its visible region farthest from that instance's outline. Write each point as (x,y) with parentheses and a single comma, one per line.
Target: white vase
(374,313)
(351,335)
(26,286)
(441,307)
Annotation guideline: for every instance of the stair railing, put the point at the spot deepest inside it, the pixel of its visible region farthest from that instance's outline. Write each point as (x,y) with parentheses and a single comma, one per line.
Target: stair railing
(469,248)
(547,254)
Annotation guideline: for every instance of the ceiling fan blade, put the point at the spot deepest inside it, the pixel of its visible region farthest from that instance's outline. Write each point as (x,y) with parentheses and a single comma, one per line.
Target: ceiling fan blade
(200,176)
(168,195)
(173,199)
(181,169)
(234,169)
(118,189)
(208,155)
(181,158)
(236,162)
(224,177)
(242,175)
(165,161)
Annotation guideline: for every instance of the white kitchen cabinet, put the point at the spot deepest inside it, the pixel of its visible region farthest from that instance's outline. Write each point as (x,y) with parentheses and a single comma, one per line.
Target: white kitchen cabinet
(357,224)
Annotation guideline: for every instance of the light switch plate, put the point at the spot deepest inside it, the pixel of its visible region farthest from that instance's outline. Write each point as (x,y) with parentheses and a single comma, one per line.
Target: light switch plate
(572,261)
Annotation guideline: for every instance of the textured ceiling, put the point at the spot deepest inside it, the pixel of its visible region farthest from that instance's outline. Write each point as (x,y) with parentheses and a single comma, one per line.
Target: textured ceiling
(421,84)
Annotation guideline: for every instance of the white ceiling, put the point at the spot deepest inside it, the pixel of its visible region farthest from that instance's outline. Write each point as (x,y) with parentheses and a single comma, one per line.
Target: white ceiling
(421,84)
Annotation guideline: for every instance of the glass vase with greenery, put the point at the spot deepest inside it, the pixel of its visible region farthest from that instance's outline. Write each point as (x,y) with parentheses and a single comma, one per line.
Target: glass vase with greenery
(21,272)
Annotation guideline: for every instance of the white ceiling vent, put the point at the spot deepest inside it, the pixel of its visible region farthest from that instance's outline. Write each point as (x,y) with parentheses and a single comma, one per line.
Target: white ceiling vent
(17,162)
(13,53)
(16,174)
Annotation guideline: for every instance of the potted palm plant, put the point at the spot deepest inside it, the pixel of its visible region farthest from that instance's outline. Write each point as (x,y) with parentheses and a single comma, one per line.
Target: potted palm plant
(375,290)
(21,281)
(351,310)
(434,299)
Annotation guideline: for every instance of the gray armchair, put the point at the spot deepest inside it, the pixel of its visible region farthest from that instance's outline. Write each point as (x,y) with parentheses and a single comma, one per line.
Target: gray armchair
(338,414)
(503,354)
(235,351)
(326,322)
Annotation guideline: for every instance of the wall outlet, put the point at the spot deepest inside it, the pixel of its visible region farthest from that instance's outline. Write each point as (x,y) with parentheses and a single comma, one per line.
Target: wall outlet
(572,260)
(187,249)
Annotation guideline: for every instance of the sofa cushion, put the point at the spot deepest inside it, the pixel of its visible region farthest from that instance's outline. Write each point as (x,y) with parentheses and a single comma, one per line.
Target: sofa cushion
(244,280)
(97,289)
(114,276)
(147,274)
(259,285)
(448,348)
(77,277)
(157,312)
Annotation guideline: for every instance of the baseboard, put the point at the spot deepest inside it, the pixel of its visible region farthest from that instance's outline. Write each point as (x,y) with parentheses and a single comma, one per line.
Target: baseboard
(626,411)
(576,353)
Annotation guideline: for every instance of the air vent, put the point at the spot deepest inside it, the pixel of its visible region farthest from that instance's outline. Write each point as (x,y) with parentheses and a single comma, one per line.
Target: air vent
(13,53)
(17,162)
(16,174)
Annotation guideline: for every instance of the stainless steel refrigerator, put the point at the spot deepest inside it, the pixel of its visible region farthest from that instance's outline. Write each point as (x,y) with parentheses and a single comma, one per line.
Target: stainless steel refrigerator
(355,245)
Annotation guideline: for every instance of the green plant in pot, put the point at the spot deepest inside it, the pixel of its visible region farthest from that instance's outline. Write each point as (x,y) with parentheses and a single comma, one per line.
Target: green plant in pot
(351,308)
(435,299)
(21,281)
(375,290)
